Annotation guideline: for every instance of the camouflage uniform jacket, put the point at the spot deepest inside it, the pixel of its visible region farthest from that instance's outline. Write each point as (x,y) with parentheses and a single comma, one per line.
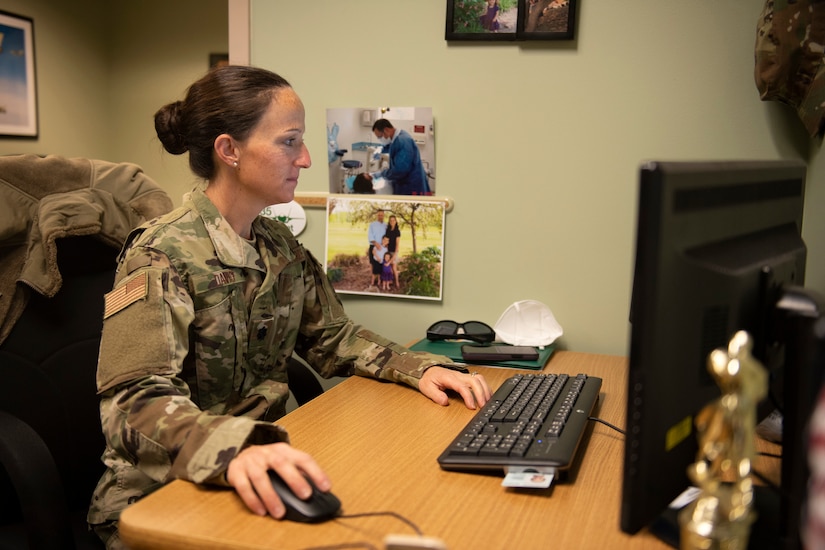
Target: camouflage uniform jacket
(196,334)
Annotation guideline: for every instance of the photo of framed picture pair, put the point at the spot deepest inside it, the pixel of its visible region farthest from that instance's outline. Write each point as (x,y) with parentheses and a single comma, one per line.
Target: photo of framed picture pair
(510,20)
(18,87)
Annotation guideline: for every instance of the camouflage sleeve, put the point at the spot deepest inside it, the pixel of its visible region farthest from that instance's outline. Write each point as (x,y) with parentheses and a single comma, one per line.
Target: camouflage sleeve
(146,411)
(334,345)
(153,423)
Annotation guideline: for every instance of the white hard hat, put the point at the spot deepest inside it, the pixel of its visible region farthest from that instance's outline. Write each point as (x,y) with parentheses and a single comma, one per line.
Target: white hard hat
(528,323)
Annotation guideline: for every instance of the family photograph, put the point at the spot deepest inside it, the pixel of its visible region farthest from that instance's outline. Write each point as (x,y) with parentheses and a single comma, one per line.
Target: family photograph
(388,247)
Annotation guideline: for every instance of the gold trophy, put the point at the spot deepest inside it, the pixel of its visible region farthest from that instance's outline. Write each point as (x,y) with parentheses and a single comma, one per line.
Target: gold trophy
(721,517)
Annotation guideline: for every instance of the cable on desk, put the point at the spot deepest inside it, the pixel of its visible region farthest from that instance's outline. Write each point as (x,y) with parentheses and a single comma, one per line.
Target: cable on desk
(621,431)
(363,544)
(763,478)
(769,455)
(606,423)
(393,514)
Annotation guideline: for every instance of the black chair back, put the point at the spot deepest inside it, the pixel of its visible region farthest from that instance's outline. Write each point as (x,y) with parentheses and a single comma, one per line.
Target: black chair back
(47,365)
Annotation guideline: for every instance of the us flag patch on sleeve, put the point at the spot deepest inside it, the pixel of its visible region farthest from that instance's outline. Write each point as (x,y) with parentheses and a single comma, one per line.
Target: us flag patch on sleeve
(127,293)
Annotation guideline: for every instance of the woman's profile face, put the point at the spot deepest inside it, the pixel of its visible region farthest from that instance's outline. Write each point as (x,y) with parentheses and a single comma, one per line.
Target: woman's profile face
(271,158)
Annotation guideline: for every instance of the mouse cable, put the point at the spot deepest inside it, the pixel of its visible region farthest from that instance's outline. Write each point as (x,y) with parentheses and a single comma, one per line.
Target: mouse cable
(393,514)
(363,544)
(606,423)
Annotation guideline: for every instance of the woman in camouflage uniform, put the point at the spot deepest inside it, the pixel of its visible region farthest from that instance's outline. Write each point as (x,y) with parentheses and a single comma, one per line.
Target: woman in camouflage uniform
(209,303)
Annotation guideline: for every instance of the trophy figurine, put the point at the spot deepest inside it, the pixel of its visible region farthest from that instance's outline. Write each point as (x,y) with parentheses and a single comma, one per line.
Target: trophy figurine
(721,516)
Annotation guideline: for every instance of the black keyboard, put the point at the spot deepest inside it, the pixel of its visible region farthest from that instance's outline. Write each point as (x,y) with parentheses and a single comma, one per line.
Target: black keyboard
(532,420)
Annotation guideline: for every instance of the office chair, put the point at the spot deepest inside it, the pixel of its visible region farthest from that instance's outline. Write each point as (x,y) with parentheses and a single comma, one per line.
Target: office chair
(302,382)
(50,436)
(64,222)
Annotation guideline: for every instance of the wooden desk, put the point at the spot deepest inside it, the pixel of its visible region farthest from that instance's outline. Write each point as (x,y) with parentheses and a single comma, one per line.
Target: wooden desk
(346,430)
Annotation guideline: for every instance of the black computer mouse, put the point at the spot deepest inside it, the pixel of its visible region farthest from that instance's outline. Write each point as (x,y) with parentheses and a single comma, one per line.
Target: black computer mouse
(320,506)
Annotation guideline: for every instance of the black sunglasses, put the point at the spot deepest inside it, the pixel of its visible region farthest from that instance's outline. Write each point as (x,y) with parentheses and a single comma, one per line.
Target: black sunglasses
(471,330)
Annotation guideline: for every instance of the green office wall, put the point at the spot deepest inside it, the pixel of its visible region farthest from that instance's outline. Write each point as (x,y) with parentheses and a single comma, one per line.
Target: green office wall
(537,143)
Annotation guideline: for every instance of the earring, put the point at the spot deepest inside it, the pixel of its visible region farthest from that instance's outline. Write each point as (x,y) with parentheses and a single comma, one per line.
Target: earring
(235,164)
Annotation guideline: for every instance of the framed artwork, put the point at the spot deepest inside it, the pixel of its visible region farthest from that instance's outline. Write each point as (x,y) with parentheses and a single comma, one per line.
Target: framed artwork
(18,85)
(510,20)
(387,247)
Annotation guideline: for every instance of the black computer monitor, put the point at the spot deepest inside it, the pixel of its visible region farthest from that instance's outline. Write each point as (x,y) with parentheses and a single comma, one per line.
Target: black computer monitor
(718,249)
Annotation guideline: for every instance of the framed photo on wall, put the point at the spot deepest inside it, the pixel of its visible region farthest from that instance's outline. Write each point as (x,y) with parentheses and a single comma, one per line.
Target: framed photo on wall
(18,85)
(510,20)
(547,20)
(482,20)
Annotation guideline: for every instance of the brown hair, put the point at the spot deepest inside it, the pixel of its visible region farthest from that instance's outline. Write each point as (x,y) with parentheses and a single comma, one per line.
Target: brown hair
(227,100)
(382,124)
(362,185)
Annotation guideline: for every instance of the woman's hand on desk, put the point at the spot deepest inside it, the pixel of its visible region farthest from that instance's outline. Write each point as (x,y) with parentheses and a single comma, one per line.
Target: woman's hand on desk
(247,473)
(473,388)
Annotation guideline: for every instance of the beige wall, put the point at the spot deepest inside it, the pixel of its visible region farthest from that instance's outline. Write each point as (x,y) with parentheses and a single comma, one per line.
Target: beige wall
(158,56)
(105,66)
(537,143)
(72,64)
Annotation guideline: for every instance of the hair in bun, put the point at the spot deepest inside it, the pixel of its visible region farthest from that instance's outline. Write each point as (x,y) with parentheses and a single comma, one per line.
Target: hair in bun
(227,100)
(168,127)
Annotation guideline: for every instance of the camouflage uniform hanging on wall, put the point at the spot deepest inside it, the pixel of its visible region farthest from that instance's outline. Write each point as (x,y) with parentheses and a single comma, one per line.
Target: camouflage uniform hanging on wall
(790,42)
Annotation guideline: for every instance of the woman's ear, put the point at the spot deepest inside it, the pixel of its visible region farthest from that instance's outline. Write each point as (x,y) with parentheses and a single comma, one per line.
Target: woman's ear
(227,150)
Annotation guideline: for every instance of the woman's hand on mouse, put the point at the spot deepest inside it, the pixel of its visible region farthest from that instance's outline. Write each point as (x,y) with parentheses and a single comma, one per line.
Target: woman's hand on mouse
(472,388)
(247,473)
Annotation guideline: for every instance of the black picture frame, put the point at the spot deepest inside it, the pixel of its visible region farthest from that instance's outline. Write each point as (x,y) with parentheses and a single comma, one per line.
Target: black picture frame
(18,75)
(532,20)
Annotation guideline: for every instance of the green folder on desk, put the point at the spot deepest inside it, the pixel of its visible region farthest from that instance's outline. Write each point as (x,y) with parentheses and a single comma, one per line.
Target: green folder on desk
(452,349)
